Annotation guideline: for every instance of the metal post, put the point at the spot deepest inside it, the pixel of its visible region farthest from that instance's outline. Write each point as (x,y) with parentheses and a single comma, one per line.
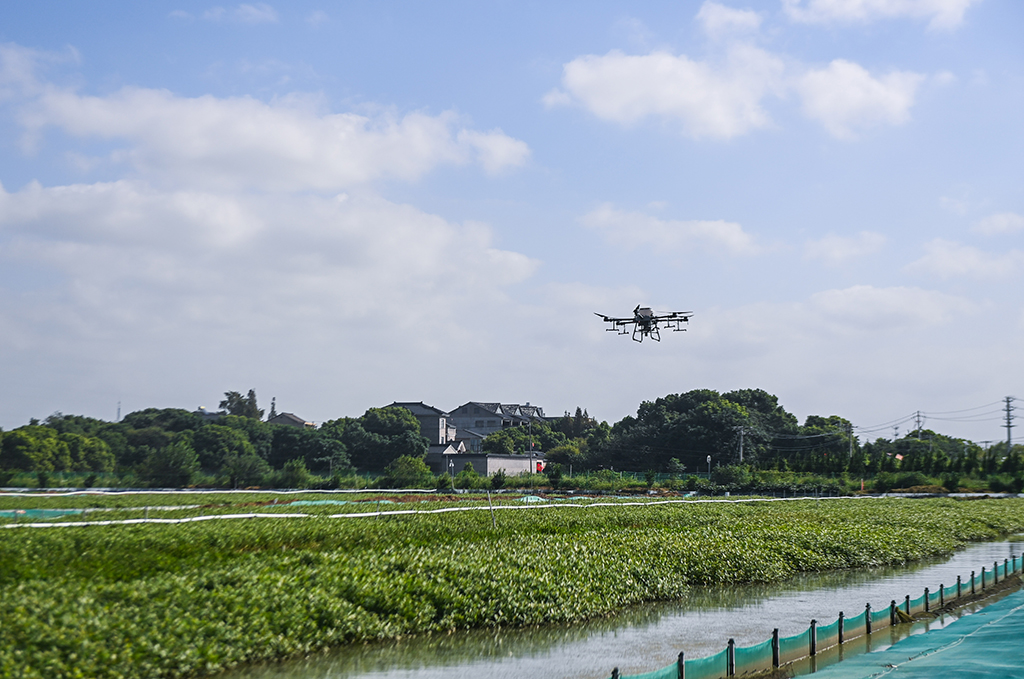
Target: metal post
(814,638)
(942,596)
(615,673)
(681,666)
(867,617)
(926,606)
(730,659)
(959,593)
(982,578)
(775,647)
(972,582)
(841,623)
(907,602)
(892,612)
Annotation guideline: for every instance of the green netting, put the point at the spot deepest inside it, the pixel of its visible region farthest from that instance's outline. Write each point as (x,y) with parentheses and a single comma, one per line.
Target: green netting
(711,667)
(950,592)
(794,647)
(827,635)
(933,598)
(880,618)
(753,658)
(854,627)
(984,645)
(917,605)
(669,672)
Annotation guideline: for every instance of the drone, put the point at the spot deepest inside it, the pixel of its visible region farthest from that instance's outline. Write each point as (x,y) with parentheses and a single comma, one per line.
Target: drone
(645,323)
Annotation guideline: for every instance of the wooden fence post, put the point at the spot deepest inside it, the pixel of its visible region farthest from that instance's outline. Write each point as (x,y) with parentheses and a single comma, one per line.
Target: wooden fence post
(907,603)
(730,659)
(958,585)
(972,582)
(840,627)
(867,617)
(681,666)
(927,607)
(813,639)
(775,647)
(942,595)
(892,613)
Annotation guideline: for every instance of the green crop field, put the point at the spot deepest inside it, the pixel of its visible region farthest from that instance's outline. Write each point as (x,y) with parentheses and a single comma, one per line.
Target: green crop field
(191,599)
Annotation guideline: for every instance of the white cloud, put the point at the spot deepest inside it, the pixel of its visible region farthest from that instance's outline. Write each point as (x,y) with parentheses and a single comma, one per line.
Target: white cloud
(941,14)
(845,97)
(284,145)
(834,248)
(132,255)
(719,21)
(633,229)
(317,17)
(259,13)
(955,205)
(725,100)
(947,258)
(868,308)
(705,99)
(1003,222)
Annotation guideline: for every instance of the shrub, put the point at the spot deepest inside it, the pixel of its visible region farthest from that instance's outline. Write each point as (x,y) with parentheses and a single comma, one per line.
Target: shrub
(408,472)
(293,475)
(951,482)
(498,479)
(554,473)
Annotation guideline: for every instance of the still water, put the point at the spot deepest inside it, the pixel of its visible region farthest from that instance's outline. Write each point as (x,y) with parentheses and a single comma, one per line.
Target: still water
(645,637)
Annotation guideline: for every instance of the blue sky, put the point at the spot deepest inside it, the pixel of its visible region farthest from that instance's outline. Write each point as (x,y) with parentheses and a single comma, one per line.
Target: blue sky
(347,204)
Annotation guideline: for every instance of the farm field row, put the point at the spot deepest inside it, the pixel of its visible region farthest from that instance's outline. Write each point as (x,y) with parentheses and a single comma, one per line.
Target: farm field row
(192,599)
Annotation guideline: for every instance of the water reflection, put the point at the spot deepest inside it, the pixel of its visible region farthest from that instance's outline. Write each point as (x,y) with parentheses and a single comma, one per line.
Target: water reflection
(648,637)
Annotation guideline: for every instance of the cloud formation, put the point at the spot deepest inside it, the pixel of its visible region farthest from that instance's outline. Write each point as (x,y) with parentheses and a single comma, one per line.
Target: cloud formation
(719,21)
(834,248)
(1003,222)
(947,259)
(704,99)
(722,98)
(941,14)
(844,97)
(633,229)
(287,144)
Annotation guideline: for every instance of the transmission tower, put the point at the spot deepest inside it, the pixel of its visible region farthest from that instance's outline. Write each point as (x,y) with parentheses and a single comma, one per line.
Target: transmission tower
(1009,422)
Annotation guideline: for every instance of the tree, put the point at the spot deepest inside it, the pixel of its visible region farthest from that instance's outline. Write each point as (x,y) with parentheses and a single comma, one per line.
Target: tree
(317,451)
(214,443)
(174,466)
(408,472)
(34,448)
(88,454)
(245,470)
(167,419)
(243,406)
(379,437)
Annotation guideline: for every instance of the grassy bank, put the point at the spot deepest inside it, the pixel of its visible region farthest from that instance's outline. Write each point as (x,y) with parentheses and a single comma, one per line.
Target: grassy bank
(187,600)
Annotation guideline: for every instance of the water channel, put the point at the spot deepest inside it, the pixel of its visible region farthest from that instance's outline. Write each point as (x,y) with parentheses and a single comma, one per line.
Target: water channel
(646,637)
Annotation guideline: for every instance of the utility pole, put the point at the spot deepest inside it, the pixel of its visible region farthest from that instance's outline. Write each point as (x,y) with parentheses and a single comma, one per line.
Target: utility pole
(917,422)
(1009,422)
(742,431)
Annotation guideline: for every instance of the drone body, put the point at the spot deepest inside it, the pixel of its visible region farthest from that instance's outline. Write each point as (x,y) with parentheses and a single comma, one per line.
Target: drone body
(646,322)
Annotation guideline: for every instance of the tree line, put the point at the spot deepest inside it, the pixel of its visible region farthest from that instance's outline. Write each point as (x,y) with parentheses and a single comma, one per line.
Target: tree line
(674,434)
